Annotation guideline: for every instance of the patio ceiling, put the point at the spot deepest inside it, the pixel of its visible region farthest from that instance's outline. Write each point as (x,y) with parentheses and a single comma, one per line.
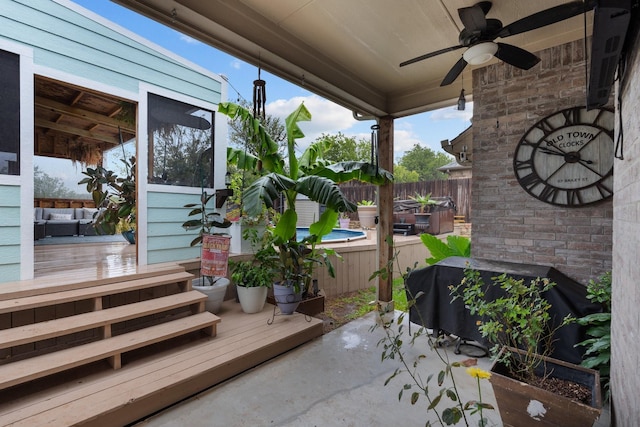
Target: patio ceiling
(349,51)
(76,123)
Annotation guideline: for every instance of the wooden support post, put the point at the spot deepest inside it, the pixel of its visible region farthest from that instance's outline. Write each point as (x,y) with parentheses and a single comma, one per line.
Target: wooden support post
(385,210)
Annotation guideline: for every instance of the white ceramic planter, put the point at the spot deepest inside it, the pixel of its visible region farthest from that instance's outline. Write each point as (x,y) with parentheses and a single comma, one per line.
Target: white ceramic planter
(252,299)
(214,293)
(367,215)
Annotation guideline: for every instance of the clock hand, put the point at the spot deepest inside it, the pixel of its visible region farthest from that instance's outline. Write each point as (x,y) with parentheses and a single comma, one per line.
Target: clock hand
(555,153)
(569,157)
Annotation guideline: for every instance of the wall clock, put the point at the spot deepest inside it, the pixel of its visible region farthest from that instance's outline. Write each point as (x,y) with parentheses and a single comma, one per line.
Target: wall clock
(566,159)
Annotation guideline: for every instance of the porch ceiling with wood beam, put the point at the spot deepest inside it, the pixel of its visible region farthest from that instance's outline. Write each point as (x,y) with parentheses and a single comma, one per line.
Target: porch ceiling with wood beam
(78,124)
(350,51)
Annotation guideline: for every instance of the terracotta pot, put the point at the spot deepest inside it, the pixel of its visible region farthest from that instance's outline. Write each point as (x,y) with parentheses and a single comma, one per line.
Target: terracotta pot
(521,404)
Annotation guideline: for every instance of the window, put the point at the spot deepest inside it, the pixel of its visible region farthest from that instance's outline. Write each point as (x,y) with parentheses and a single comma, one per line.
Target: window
(180,143)
(9,113)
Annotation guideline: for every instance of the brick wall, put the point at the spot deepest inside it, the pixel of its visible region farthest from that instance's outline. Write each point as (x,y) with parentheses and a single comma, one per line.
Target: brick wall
(625,356)
(508,223)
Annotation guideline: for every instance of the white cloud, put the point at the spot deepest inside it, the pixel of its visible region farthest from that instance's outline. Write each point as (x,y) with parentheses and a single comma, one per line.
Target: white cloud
(326,116)
(187,39)
(330,118)
(453,114)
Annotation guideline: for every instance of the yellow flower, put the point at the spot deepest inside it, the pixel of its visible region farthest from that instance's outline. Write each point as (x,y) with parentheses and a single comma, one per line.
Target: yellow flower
(478,373)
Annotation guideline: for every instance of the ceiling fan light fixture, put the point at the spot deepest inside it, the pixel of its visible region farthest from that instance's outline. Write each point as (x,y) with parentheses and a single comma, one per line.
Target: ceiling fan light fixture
(480,53)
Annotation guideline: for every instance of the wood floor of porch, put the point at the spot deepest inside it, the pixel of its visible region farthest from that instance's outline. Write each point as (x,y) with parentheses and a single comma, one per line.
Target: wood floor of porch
(150,378)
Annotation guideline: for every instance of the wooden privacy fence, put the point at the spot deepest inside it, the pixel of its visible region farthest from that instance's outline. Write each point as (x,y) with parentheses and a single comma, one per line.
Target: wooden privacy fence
(458,189)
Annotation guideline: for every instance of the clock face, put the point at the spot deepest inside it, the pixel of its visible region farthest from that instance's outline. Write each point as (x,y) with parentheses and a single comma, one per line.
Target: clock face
(566,159)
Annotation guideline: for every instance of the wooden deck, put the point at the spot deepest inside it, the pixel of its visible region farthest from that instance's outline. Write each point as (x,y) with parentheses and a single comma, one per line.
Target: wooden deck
(91,390)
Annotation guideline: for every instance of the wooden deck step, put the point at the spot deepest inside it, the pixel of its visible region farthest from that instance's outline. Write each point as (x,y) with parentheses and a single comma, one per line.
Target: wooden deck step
(151,383)
(111,348)
(77,279)
(459,219)
(96,319)
(28,302)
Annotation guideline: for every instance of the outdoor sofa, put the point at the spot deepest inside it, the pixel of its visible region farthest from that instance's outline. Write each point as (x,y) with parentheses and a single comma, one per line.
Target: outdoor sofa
(63,222)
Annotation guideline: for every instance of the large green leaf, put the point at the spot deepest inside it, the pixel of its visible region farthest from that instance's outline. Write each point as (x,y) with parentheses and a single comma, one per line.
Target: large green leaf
(459,246)
(286,227)
(325,224)
(294,132)
(267,190)
(268,148)
(325,191)
(361,171)
(241,159)
(313,154)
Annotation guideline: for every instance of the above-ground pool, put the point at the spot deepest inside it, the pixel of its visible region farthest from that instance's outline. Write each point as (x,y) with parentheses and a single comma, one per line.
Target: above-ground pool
(337,235)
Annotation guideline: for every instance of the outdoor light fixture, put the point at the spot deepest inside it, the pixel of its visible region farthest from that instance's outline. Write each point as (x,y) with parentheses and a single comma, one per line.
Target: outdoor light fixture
(223,194)
(480,53)
(461,101)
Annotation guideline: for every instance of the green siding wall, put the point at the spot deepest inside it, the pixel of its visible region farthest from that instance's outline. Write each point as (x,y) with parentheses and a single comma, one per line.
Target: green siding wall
(70,43)
(9,233)
(167,240)
(67,41)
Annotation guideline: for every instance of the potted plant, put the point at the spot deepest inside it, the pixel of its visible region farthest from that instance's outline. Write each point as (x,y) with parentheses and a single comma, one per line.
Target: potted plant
(367,211)
(285,176)
(344,220)
(598,344)
(425,203)
(114,196)
(255,276)
(525,380)
(215,251)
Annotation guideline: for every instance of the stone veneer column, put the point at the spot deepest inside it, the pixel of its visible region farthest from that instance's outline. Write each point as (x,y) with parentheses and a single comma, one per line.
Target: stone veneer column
(625,336)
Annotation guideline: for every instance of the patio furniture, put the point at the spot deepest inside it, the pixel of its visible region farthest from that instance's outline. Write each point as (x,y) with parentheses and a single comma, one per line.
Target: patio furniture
(63,222)
(435,310)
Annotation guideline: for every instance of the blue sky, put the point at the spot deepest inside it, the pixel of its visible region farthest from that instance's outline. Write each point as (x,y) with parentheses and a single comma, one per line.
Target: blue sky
(426,129)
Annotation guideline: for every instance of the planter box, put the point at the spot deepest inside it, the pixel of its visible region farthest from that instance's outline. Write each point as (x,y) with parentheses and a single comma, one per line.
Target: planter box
(521,404)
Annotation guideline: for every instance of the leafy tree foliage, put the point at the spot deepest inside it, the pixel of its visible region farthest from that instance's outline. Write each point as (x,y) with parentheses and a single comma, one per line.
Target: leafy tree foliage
(402,174)
(425,162)
(46,186)
(241,136)
(177,150)
(343,148)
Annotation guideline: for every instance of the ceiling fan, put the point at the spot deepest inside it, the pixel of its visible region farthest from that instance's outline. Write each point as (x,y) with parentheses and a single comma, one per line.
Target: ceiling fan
(479,33)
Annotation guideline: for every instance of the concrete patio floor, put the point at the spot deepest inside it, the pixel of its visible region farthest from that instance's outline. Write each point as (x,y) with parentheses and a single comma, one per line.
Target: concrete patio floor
(336,380)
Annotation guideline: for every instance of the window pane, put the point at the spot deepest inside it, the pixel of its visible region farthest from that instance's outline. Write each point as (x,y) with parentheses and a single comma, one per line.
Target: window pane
(180,143)
(9,113)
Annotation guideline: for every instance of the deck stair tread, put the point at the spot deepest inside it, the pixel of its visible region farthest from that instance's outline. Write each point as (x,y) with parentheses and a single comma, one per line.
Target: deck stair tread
(94,319)
(58,361)
(122,286)
(120,397)
(77,279)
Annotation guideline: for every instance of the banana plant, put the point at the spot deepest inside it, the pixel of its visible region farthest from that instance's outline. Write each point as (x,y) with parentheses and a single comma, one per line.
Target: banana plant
(287,175)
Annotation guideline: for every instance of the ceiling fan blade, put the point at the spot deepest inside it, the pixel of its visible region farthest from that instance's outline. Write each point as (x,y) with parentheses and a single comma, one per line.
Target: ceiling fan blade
(474,18)
(430,55)
(454,72)
(516,56)
(546,17)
